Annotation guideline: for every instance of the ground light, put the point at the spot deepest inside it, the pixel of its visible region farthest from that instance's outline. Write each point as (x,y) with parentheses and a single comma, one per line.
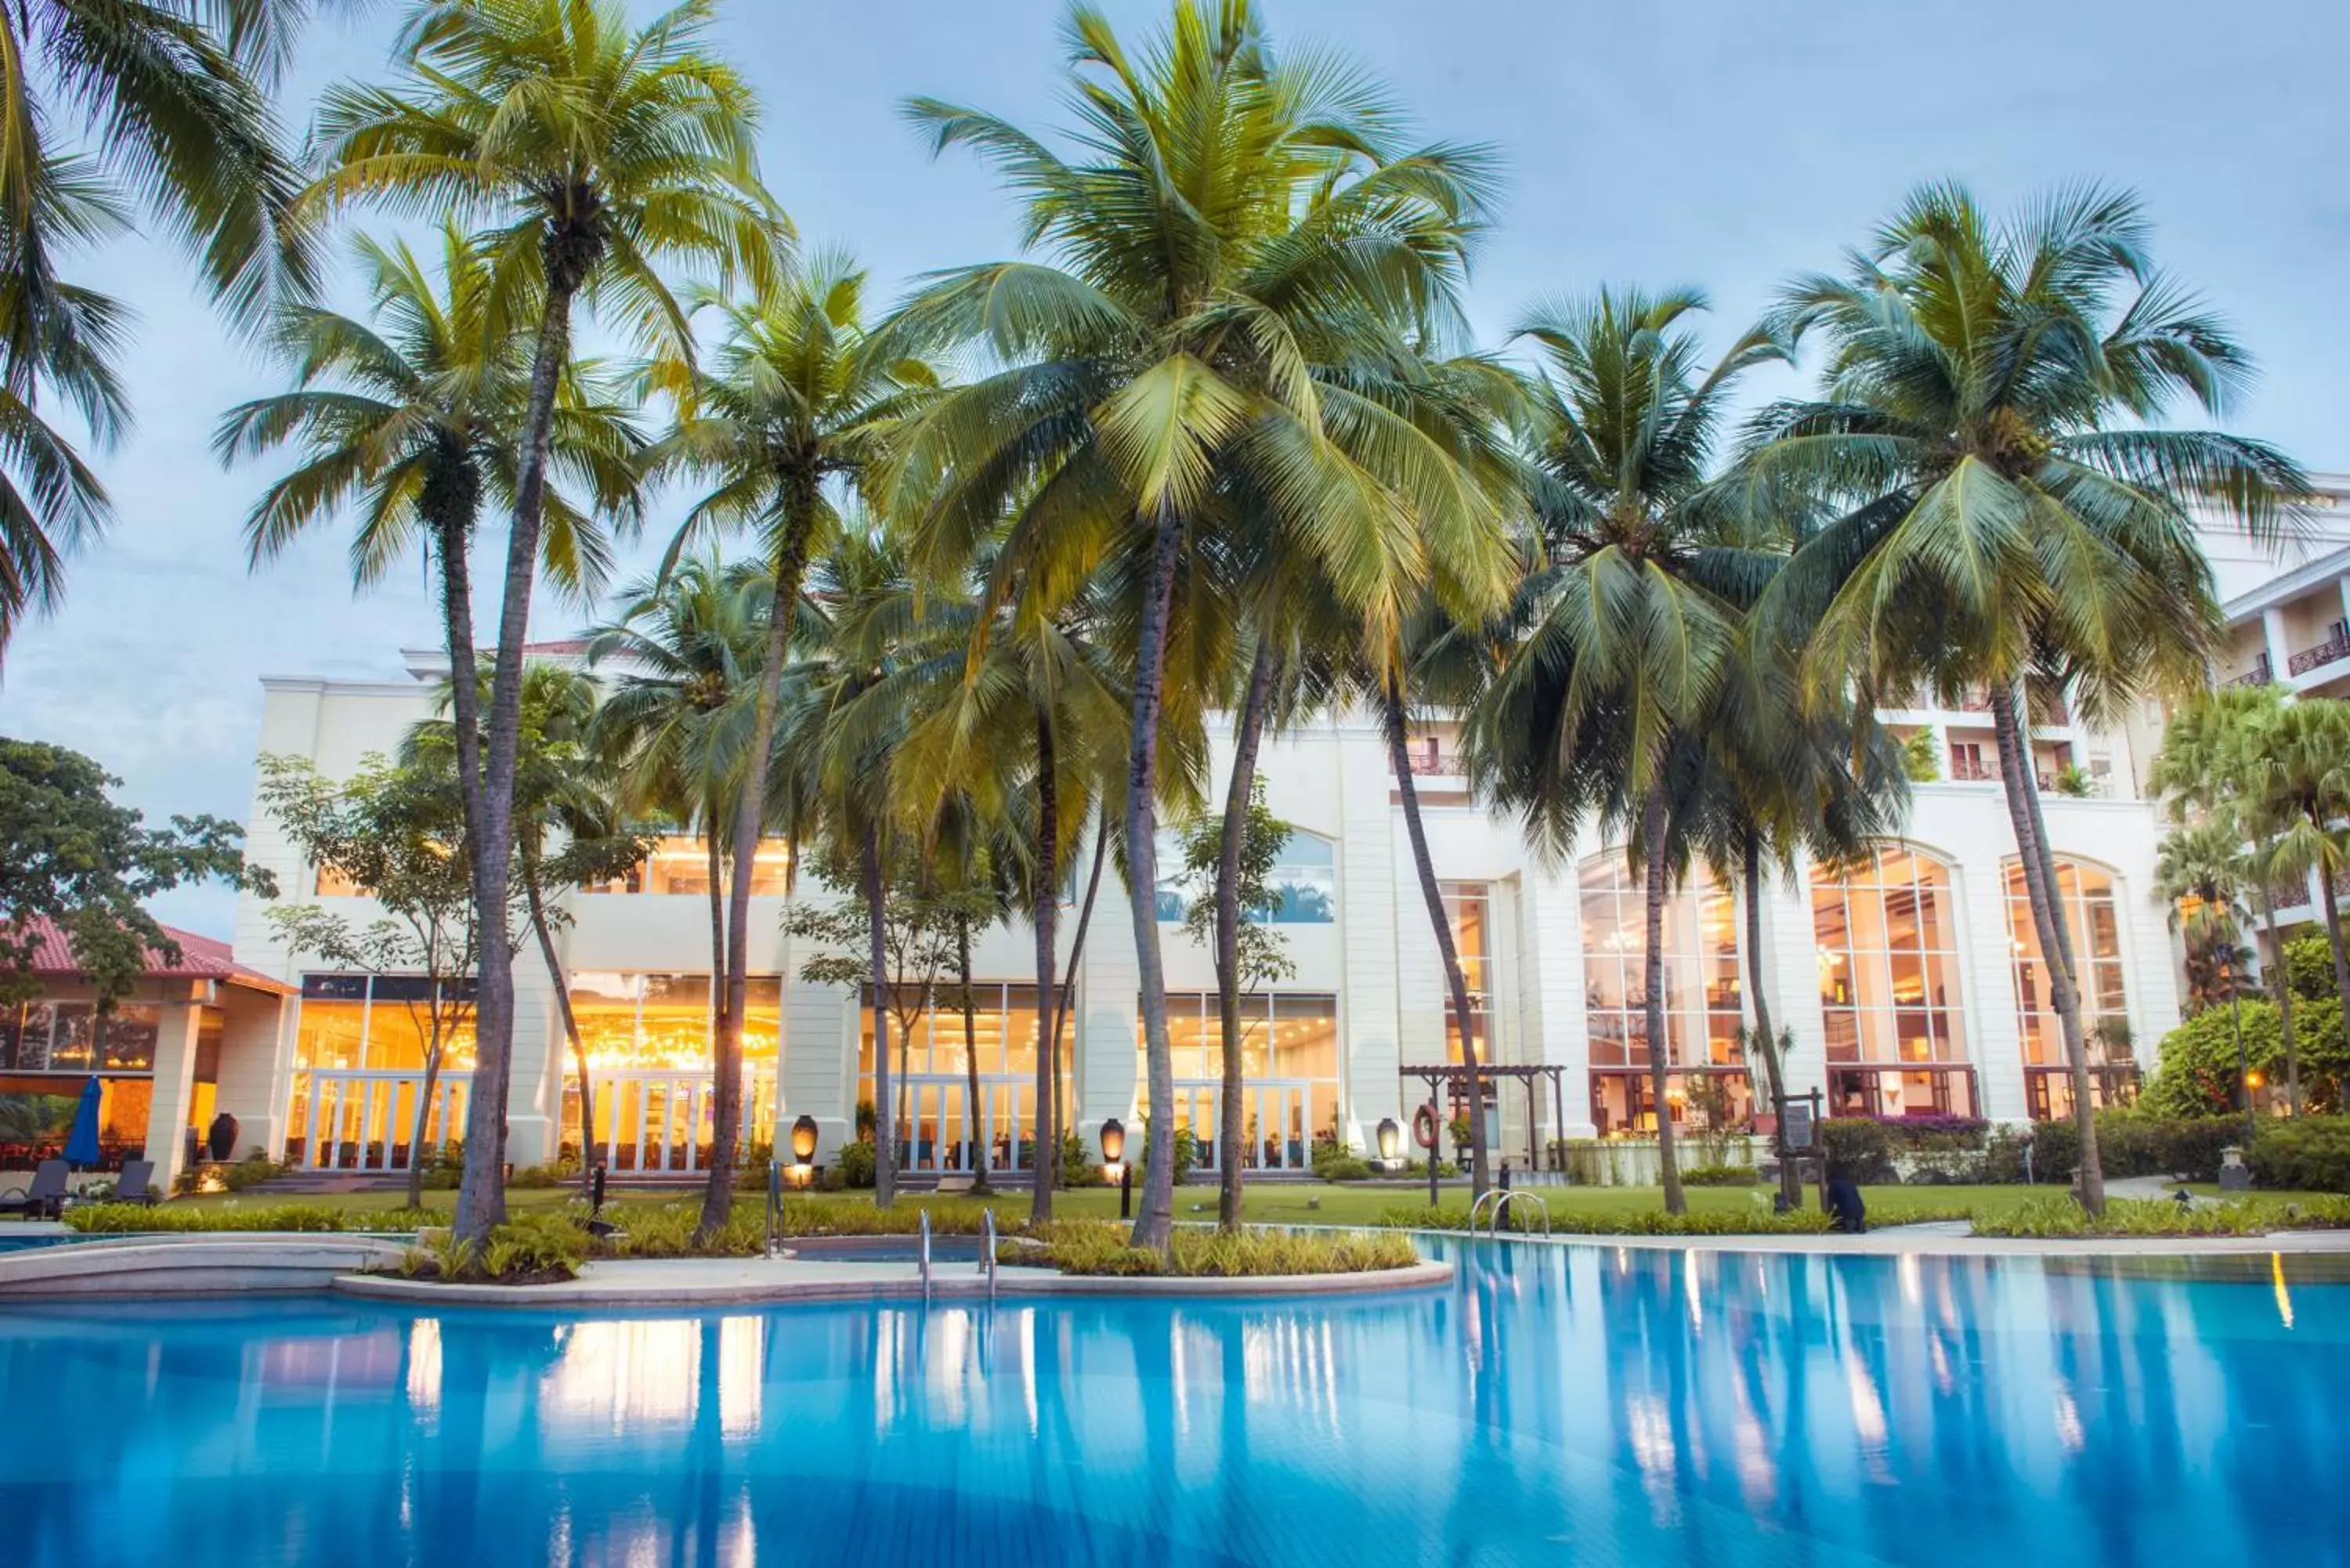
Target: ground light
(1114,1166)
(1390,1140)
(803,1149)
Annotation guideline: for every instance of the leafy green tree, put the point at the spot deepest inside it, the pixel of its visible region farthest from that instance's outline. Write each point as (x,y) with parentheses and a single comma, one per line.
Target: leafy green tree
(2013,516)
(1157,367)
(1630,616)
(2196,1071)
(594,152)
(1255,955)
(69,856)
(570,828)
(397,832)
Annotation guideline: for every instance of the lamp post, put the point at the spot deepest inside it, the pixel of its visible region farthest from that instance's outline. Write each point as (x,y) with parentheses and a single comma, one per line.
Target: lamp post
(2244,1073)
(803,1149)
(1113,1147)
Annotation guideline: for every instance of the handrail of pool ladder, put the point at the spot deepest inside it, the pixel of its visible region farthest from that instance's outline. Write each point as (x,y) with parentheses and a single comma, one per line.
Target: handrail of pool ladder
(987,1249)
(925,1255)
(1502,1209)
(1493,1195)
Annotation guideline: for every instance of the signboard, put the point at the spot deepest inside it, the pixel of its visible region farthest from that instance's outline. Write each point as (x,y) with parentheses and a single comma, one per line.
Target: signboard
(1795,1126)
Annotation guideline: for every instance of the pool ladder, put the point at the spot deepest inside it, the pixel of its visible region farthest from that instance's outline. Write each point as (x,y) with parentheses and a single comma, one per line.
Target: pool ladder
(987,1249)
(924,1257)
(1500,1198)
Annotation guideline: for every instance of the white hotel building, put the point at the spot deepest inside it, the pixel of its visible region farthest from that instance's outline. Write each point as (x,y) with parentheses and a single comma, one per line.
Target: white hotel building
(1912,985)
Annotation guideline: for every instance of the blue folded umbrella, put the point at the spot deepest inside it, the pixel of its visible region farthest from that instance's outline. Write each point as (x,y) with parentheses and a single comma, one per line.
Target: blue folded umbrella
(82,1149)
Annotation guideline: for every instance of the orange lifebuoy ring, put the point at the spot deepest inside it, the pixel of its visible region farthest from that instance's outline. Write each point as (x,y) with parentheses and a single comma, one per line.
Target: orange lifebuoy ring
(1423,1128)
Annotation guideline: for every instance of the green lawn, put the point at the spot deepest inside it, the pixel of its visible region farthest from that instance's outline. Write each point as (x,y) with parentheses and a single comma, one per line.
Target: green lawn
(1324,1203)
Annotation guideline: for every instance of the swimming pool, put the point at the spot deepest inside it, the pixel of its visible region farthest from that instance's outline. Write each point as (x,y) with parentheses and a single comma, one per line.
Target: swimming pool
(1555,1404)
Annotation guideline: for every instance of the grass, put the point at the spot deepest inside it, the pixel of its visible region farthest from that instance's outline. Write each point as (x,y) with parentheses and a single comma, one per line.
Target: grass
(658,1219)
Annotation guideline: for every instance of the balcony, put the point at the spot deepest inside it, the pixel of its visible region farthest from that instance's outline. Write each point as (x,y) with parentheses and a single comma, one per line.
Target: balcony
(1429,758)
(1967,769)
(2331,650)
(2261,673)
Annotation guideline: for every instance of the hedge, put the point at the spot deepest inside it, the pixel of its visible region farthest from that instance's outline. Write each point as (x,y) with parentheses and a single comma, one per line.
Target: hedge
(2311,1154)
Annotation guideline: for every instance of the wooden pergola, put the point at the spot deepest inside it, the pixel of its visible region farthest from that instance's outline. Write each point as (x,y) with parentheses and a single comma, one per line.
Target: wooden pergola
(1454,1080)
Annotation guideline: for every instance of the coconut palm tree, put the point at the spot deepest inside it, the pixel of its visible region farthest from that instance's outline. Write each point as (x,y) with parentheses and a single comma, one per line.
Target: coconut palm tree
(594,151)
(2013,516)
(1226,216)
(411,419)
(1631,614)
(1769,780)
(792,406)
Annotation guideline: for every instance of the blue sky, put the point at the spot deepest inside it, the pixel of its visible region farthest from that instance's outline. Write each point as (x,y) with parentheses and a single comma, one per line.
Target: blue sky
(1723,144)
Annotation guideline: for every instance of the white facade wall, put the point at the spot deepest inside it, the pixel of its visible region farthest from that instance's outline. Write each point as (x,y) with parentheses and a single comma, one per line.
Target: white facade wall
(1378,956)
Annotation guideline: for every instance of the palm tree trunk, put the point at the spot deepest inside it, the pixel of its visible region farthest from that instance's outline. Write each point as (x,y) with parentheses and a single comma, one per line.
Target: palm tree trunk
(2048,923)
(1238,795)
(570,1032)
(2284,1004)
(1660,1049)
(2331,905)
(970,1134)
(750,815)
(884,1117)
(1456,985)
(1766,1041)
(453,533)
(482,1194)
(1068,990)
(1155,1226)
(1045,910)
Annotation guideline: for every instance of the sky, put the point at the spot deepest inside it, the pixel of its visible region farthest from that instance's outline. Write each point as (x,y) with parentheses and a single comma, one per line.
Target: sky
(1725,145)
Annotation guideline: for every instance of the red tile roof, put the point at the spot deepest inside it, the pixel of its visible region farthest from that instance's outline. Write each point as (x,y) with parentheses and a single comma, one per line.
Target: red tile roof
(200,958)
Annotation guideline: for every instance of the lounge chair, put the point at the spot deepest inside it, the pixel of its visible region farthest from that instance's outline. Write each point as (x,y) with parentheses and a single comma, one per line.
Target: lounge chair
(45,1198)
(138,1183)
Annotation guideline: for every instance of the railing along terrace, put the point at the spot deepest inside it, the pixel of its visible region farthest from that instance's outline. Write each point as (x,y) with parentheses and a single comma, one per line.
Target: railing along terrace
(2327,652)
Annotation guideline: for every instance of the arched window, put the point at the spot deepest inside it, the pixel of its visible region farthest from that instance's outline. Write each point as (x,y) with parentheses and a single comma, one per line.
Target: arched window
(1891,1004)
(1708,1083)
(2084,895)
(1304,881)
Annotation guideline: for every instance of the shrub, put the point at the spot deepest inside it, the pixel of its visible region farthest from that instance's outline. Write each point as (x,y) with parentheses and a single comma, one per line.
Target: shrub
(2313,1153)
(1077,1166)
(535,1248)
(1861,1147)
(536,1176)
(1721,1176)
(1343,1168)
(1187,1152)
(2133,1143)
(2196,1071)
(668,1230)
(1095,1247)
(130,1218)
(854,1163)
(2055,1216)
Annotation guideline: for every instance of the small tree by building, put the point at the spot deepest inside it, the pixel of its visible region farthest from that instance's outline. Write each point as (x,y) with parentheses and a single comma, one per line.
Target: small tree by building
(395,834)
(73,858)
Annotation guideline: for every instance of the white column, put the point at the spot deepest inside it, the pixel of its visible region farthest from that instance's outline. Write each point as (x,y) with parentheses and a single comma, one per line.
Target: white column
(174,1087)
(2272,626)
(1554,977)
(1105,1020)
(1379,895)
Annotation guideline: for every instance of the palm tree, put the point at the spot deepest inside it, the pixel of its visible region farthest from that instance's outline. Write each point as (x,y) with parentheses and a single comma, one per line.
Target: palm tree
(793,404)
(2013,518)
(1632,611)
(595,151)
(411,419)
(172,94)
(2212,767)
(1767,781)
(1230,216)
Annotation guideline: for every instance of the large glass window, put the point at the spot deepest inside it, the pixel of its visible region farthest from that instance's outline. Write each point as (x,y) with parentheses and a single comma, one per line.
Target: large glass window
(1703,995)
(380,1021)
(1303,882)
(70,1037)
(1289,1072)
(680,864)
(1891,1003)
(2084,895)
(1468,909)
(632,1021)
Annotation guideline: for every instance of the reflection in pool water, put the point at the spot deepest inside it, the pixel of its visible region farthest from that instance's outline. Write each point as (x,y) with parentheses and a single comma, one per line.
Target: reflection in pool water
(1557,1405)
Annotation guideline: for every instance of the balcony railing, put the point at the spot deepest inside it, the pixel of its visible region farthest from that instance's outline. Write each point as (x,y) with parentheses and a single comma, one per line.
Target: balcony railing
(1973,770)
(1430,762)
(2261,673)
(2327,652)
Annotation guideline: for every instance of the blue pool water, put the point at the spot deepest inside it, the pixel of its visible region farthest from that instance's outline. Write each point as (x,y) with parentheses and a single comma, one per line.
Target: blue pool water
(1557,1405)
